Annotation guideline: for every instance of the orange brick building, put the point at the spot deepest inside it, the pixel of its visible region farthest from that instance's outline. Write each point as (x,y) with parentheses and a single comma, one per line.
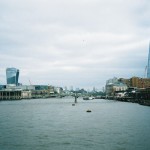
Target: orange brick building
(136,82)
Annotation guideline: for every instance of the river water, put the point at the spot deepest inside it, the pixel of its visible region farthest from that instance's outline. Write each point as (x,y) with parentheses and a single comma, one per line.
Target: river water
(54,124)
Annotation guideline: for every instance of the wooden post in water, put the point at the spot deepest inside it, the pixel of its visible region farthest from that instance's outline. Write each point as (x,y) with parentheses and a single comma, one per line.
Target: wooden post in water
(75,98)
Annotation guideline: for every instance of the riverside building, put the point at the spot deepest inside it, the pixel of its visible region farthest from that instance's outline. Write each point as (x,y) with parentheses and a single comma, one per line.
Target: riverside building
(12,75)
(113,86)
(136,82)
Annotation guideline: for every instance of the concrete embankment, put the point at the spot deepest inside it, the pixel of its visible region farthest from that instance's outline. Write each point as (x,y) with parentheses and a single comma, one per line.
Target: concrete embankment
(10,95)
(19,94)
(132,100)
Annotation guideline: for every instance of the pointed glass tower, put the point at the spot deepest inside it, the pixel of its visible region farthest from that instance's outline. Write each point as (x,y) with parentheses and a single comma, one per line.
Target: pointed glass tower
(148,65)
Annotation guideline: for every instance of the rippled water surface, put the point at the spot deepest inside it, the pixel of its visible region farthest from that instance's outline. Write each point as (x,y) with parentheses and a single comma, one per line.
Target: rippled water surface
(54,124)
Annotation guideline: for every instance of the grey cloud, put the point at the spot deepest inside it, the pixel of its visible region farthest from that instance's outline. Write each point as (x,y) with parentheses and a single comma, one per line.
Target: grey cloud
(78,42)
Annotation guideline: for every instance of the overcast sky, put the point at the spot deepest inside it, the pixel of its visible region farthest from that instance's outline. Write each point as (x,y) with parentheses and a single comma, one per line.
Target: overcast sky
(79,43)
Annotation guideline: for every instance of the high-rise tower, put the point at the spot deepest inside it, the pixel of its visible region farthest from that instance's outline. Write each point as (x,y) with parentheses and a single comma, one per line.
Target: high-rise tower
(12,75)
(148,65)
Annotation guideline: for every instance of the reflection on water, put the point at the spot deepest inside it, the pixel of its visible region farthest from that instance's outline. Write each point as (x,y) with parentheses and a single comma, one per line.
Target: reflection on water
(54,124)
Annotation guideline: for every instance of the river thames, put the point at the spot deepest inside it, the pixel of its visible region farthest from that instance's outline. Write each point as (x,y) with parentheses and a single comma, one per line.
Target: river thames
(54,124)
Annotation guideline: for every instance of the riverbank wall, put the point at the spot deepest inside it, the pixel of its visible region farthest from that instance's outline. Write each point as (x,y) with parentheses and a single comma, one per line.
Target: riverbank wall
(141,101)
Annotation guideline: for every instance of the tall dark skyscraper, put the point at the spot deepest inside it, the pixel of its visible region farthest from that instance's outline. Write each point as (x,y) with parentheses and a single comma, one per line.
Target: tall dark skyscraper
(148,65)
(12,75)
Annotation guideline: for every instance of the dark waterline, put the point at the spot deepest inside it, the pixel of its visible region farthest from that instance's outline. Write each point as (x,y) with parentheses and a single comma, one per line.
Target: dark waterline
(54,124)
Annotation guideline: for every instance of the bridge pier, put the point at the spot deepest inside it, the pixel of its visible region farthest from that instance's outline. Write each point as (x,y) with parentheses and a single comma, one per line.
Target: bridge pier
(75,96)
(75,99)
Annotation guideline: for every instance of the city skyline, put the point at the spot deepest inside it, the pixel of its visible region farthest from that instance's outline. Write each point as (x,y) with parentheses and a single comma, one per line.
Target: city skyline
(79,43)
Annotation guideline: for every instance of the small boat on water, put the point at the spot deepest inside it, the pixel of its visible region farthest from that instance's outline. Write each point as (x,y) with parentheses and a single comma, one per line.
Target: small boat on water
(88,98)
(88,110)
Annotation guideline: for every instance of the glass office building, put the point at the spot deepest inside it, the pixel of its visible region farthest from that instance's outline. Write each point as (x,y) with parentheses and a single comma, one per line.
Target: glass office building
(148,66)
(12,75)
